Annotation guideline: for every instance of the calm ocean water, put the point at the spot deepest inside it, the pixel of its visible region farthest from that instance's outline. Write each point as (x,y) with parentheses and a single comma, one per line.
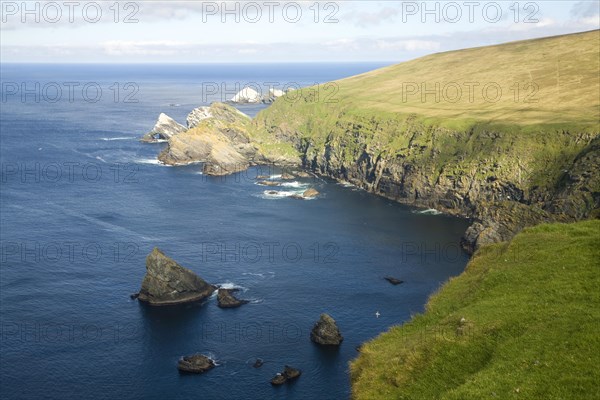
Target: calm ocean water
(83,202)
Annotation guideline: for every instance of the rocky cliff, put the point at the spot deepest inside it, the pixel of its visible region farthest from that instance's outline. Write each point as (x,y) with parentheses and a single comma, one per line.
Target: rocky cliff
(506,165)
(216,136)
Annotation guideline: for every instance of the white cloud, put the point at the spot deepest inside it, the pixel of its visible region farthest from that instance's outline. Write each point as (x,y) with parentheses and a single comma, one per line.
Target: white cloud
(408,45)
(593,21)
(143,48)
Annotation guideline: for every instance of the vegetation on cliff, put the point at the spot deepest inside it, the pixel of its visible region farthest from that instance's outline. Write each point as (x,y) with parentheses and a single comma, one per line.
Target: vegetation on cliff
(520,323)
(534,148)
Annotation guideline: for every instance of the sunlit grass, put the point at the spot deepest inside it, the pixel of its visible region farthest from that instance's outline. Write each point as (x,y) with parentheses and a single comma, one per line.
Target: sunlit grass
(531,312)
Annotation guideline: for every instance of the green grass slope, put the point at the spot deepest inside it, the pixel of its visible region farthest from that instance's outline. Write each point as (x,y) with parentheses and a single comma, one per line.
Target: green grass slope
(531,310)
(539,152)
(557,80)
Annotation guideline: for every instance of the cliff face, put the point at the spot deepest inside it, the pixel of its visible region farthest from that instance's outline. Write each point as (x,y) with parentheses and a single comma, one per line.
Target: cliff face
(217,136)
(507,163)
(505,179)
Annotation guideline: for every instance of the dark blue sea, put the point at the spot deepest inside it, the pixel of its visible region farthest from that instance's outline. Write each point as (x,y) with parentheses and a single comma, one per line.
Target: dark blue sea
(83,202)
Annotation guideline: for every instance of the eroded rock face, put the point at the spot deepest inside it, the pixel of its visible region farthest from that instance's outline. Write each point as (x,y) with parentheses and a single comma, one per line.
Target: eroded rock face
(198,115)
(167,282)
(227,300)
(326,332)
(196,364)
(165,128)
(217,137)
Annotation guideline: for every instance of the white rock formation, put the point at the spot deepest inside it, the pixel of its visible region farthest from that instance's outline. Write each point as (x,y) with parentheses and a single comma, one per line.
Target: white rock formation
(246,95)
(197,115)
(165,128)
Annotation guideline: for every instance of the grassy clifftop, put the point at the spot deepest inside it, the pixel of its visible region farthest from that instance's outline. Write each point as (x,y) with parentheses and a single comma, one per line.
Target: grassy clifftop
(520,323)
(550,81)
(537,152)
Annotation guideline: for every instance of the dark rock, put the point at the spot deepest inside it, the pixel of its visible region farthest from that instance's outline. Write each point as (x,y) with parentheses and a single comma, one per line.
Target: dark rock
(393,281)
(291,373)
(258,363)
(196,364)
(326,332)
(287,375)
(134,296)
(278,379)
(167,282)
(228,300)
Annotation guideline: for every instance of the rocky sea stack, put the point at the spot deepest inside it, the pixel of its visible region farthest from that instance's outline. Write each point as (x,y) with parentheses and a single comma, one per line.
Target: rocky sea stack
(165,128)
(196,364)
(167,282)
(326,332)
(227,300)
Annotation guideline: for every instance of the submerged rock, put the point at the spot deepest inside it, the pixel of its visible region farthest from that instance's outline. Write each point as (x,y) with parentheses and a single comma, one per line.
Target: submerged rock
(287,375)
(167,282)
(393,281)
(326,332)
(228,300)
(165,128)
(269,183)
(195,364)
(258,363)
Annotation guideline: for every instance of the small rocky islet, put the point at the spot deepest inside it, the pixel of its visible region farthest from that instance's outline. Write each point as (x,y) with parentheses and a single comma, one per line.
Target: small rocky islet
(326,332)
(226,299)
(288,374)
(195,364)
(168,283)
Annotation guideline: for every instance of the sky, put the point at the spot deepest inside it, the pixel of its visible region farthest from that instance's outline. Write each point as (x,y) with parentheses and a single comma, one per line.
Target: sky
(273,31)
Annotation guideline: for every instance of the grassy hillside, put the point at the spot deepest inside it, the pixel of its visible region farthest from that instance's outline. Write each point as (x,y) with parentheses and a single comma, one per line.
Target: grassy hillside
(461,156)
(557,78)
(520,323)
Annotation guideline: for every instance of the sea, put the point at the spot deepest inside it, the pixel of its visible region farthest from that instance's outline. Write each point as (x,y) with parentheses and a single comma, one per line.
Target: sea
(83,202)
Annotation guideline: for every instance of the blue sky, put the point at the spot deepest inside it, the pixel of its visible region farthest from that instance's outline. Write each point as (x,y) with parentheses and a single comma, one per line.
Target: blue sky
(274,31)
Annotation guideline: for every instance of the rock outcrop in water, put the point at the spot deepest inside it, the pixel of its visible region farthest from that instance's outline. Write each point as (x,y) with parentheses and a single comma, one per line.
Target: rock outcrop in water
(164,129)
(247,95)
(393,281)
(167,282)
(227,300)
(195,364)
(287,375)
(218,137)
(326,332)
